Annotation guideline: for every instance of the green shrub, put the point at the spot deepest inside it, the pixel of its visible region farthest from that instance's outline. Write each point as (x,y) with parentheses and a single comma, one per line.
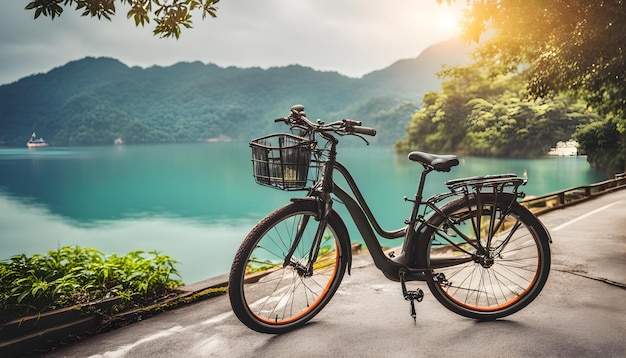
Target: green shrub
(74,275)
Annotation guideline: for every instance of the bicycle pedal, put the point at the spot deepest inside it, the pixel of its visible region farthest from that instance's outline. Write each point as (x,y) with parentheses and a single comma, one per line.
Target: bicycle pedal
(412,296)
(417,295)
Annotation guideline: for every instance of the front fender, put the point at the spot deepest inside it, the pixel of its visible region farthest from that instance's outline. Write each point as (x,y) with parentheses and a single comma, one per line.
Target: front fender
(345,236)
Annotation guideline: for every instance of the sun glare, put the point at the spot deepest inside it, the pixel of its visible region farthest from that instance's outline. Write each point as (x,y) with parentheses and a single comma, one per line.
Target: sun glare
(450,24)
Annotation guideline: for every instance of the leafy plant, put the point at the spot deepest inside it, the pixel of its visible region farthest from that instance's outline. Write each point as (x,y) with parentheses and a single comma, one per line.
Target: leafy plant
(74,275)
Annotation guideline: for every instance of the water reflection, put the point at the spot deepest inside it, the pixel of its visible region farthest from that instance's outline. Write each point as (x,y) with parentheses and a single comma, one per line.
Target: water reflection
(203,249)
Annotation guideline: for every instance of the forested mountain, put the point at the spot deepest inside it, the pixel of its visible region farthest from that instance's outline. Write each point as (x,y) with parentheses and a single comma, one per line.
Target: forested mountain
(96,100)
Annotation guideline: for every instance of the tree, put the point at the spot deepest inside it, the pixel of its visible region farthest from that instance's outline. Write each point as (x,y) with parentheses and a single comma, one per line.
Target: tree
(559,46)
(478,115)
(169,15)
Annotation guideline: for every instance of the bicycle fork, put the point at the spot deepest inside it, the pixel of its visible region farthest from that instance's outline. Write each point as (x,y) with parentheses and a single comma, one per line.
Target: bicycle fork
(306,270)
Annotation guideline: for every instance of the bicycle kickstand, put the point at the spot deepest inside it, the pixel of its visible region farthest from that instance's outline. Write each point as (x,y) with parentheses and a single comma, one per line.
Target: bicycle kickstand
(411,296)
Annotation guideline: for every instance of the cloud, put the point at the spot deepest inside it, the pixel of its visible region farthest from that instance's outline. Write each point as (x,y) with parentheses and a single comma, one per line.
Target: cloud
(352,37)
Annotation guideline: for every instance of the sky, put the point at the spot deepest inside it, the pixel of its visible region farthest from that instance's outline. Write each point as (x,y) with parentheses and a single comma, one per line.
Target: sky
(352,37)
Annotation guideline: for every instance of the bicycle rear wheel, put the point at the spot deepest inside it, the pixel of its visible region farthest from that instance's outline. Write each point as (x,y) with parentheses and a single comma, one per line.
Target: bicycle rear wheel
(272,294)
(490,260)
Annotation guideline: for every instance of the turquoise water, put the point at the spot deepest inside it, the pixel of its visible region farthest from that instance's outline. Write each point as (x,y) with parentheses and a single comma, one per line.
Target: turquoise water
(195,202)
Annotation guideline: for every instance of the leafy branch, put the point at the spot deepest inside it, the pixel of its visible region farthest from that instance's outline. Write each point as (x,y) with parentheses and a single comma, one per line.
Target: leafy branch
(169,15)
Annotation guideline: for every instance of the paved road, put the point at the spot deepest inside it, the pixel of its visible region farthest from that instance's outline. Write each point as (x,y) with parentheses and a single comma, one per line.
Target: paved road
(580,313)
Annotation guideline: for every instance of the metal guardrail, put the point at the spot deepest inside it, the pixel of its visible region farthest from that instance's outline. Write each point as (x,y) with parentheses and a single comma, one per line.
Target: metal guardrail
(560,199)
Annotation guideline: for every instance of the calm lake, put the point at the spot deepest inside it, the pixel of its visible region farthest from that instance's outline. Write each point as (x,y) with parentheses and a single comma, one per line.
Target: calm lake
(196,202)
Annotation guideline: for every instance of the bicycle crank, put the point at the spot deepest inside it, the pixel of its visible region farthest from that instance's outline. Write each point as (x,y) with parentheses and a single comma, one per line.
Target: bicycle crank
(411,296)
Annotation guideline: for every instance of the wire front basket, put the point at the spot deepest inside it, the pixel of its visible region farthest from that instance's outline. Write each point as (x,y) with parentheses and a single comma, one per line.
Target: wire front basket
(282,161)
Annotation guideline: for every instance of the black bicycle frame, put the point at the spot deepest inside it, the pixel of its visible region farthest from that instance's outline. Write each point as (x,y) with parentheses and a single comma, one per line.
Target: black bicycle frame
(402,267)
(365,221)
(392,267)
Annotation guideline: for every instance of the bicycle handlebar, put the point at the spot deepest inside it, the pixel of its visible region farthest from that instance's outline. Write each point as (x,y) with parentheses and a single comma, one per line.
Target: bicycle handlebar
(364,130)
(345,126)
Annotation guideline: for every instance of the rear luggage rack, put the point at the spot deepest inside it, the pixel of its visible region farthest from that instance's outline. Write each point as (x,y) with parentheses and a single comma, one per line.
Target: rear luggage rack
(499,183)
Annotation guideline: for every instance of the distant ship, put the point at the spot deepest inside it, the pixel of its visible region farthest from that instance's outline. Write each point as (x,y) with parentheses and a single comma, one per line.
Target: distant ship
(36,142)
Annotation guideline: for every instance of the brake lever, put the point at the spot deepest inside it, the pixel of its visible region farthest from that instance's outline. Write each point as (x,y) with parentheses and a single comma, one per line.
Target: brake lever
(345,132)
(365,140)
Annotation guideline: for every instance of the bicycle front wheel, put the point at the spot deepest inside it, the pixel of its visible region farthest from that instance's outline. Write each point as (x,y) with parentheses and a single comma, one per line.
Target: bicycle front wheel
(490,259)
(270,288)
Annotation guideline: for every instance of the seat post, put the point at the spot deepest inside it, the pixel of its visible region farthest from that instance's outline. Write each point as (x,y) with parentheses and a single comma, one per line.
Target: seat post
(420,188)
(418,196)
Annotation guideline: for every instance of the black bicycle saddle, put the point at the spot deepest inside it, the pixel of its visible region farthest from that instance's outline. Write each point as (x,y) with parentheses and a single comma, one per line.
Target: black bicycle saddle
(441,163)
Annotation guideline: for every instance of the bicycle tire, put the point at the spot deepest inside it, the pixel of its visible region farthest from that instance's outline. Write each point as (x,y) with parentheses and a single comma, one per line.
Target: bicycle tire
(502,279)
(268,296)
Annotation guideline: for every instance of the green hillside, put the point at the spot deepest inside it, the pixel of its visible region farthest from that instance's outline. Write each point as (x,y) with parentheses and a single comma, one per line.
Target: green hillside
(93,101)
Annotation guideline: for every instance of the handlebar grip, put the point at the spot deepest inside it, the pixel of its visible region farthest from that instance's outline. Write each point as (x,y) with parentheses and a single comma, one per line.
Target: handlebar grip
(282,119)
(364,130)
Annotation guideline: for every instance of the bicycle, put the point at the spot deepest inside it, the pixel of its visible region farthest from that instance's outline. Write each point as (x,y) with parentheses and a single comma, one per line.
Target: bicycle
(482,254)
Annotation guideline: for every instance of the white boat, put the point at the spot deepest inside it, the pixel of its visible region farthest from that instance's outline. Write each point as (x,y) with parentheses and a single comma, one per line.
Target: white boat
(36,142)
(569,148)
